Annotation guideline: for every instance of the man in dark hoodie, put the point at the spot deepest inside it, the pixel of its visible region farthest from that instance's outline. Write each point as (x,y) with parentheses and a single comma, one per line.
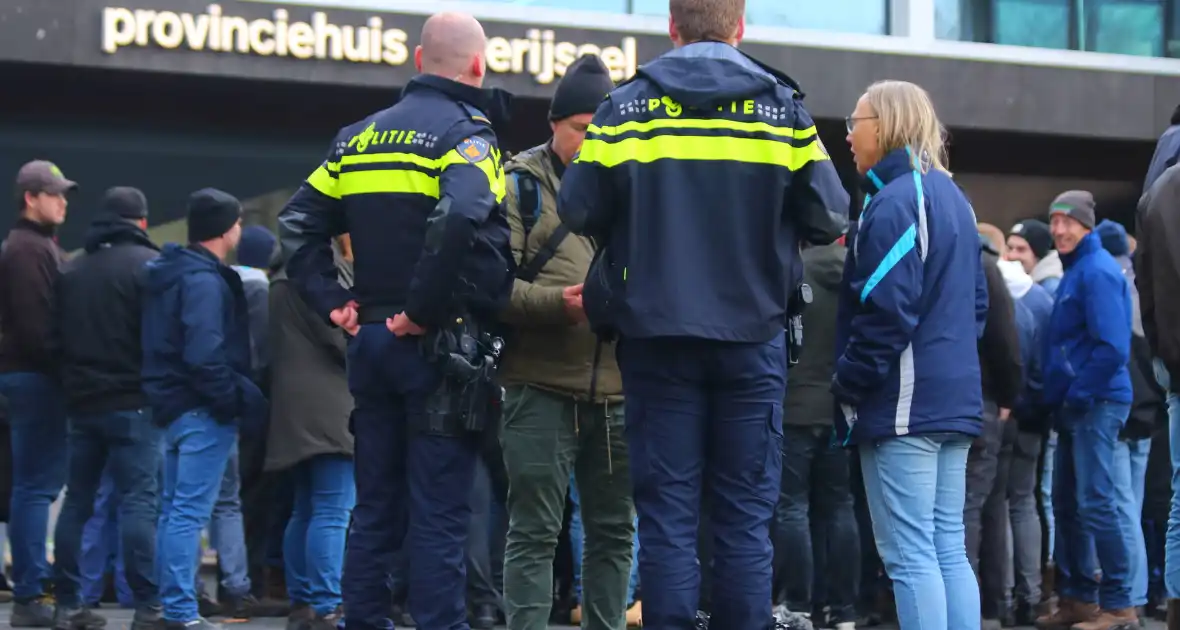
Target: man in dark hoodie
(196,371)
(96,333)
(699,226)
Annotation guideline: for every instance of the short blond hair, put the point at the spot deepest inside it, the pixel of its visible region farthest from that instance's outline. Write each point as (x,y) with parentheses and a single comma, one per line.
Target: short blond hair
(698,20)
(906,118)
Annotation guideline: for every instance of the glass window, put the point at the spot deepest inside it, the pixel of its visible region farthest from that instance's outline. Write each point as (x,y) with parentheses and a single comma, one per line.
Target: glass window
(1129,27)
(1040,23)
(846,16)
(611,6)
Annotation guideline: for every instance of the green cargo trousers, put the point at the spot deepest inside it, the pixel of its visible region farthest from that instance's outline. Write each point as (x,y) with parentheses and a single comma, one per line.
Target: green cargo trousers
(545,436)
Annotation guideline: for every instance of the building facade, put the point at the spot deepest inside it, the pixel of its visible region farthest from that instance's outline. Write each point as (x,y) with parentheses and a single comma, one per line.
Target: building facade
(173,95)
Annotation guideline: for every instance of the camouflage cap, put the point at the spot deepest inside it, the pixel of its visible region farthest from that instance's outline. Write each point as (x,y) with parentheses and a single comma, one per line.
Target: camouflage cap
(40,176)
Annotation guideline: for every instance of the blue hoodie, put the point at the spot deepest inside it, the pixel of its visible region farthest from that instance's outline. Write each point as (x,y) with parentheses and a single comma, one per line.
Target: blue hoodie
(196,340)
(1088,340)
(913,308)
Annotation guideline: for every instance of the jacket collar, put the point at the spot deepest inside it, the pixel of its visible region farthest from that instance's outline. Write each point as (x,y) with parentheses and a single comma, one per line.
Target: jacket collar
(896,163)
(494,103)
(39,228)
(1088,245)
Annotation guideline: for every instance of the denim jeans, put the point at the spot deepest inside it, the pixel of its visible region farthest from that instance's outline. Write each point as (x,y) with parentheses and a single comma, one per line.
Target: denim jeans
(130,441)
(313,545)
(227,534)
(1130,502)
(1022,512)
(815,537)
(916,488)
(1091,461)
(1172,546)
(102,552)
(37,415)
(1047,493)
(197,449)
(577,542)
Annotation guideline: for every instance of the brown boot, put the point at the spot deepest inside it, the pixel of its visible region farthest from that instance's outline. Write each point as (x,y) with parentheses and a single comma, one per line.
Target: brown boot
(1122,619)
(1174,614)
(1069,612)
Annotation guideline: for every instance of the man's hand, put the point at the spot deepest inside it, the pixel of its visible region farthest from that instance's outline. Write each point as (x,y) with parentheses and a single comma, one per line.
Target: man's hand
(401,326)
(571,298)
(346,317)
(1005,414)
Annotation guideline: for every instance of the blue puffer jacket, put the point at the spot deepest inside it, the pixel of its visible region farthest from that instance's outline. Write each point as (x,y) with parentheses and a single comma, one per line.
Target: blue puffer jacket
(196,340)
(1088,340)
(913,307)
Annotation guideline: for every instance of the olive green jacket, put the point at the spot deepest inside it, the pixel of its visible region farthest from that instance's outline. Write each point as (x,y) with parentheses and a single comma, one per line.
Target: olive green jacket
(545,349)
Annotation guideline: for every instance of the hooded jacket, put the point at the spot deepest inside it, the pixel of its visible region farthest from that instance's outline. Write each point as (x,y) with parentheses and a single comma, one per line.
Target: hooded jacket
(196,340)
(546,349)
(1033,308)
(1157,268)
(1088,342)
(30,264)
(698,179)
(1047,272)
(809,401)
(96,323)
(912,311)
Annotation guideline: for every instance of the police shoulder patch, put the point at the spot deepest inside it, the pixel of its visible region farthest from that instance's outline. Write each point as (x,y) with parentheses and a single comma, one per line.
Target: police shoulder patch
(474,149)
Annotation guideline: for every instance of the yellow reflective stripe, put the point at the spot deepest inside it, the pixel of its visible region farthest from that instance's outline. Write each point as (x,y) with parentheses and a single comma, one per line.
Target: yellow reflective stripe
(377,158)
(698,123)
(333,167)
(487,165)
(388,181)
(747,150)
(324,182)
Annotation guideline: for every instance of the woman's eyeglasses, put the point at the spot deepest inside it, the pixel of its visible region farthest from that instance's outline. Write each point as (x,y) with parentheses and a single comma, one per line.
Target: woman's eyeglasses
(850,121)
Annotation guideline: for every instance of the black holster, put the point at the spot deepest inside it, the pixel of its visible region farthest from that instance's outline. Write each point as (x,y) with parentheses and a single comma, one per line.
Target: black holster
(468,398)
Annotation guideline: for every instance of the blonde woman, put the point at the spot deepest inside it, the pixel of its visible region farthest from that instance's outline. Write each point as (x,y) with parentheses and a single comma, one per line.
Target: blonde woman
(907,379)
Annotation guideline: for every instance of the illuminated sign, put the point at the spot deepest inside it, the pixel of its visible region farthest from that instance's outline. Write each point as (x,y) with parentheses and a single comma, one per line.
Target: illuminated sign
(539,53)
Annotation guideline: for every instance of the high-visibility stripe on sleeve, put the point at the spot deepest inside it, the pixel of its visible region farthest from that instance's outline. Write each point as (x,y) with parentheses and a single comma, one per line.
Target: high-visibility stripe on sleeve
(719,148)
(636,126)
(489,166)
(324,180)
(388,181)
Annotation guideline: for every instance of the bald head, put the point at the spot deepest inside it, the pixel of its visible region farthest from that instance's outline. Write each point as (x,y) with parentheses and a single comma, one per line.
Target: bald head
(452,46)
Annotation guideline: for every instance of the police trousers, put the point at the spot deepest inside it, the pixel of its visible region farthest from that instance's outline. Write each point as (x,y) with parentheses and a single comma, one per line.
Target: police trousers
(705,416)
(411,490)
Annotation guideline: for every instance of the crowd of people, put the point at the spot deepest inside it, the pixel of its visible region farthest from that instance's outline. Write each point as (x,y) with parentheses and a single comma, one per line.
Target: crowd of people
(975,431)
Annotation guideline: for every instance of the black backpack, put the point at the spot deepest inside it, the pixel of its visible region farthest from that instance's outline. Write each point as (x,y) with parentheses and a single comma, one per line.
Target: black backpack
(529,196)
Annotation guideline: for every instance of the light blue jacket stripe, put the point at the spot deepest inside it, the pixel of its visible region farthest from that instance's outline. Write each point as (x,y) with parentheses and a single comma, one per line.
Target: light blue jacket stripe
(876,180)
(903,246)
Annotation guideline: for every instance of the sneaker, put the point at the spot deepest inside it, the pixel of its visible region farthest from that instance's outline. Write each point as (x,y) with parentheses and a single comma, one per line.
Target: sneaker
(329,621)
(243,607)
(300,617)
(77,618)
(200,623)
(147,618)
(35,613)
(846,625)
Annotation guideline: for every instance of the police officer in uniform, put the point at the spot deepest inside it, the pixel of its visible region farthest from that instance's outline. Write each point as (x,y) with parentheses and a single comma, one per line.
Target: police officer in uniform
(699,179)
(420,188)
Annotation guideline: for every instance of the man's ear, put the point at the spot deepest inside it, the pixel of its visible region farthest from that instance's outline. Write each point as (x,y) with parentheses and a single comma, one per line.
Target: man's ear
(673,32)
(741,30)
(418,58)
(478,68)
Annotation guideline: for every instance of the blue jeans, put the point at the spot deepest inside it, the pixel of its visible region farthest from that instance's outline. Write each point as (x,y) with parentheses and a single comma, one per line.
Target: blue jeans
(130,442)
(197,449)
(313,545)
(1172,545)
(1091,462)
(577,541)
(39,461)
(227,534)
(1047,492)
(916,487)
(102,552)
(1130,491)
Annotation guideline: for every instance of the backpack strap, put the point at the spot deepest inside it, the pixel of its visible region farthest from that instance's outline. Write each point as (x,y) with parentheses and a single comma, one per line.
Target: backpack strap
(528,195)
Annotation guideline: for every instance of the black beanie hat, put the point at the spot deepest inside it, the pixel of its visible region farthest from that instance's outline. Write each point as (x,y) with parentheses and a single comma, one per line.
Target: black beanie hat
(211,213)
(124,202)
(581,90)
(1040,241)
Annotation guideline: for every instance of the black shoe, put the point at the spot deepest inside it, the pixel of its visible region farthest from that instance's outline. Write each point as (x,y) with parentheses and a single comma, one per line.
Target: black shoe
(148,618)
(77,618)
(34,613)
(200,623)
(300,616)
(206,607)
(243,607)
(484,617)
(330,621)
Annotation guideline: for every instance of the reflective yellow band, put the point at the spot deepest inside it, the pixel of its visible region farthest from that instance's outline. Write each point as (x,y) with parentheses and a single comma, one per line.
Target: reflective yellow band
(747,150)
(333,167)
(324,182)
(388,181)
(698,123)
(378,158)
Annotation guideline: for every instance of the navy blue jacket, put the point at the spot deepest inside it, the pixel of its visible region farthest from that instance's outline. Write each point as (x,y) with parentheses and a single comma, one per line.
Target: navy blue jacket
(196,340)
(914,305)
(1088,343)
(419,188)
(698,180)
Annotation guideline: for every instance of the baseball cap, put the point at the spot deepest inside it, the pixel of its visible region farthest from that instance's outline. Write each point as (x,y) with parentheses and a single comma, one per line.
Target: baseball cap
(40,176)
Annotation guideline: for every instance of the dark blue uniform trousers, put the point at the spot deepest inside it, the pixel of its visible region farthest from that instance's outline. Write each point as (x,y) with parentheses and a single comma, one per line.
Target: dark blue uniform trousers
(705,416)
(410,489)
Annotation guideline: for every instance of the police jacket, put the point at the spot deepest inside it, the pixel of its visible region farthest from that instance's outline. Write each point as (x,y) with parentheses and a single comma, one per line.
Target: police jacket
(420,189)
(913,308)
(698,179)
